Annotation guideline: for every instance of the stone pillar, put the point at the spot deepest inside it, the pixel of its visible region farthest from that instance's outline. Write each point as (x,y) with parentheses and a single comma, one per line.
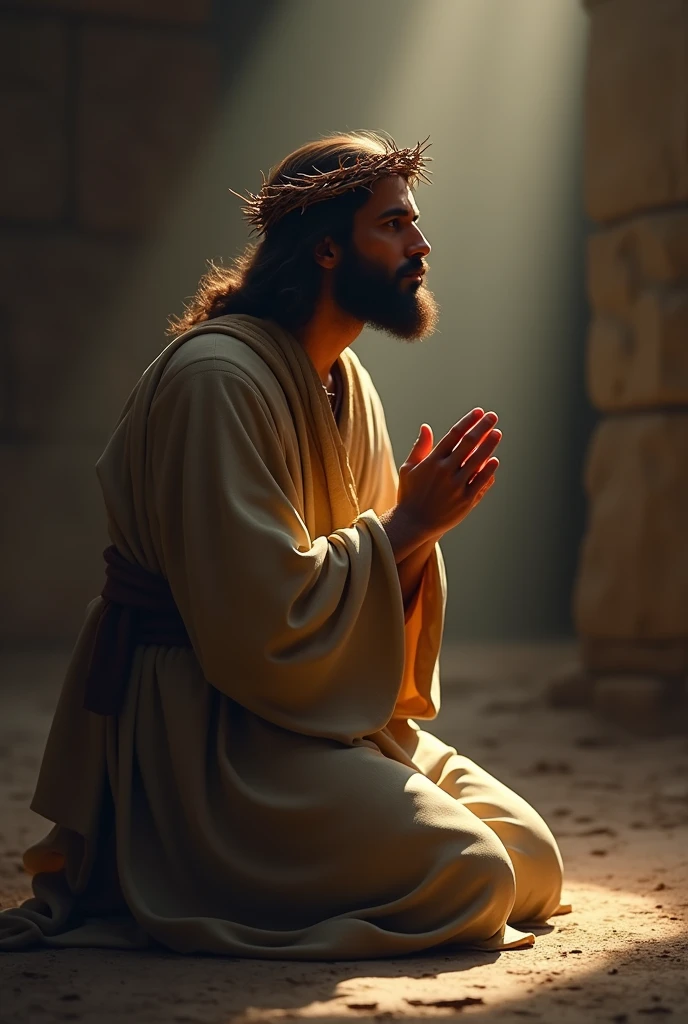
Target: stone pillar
(630,600)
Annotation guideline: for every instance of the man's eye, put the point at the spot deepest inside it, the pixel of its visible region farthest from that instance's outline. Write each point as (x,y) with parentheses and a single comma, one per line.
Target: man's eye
(395,220)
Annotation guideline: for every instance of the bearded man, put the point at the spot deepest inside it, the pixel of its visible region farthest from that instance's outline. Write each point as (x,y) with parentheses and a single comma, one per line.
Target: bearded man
(235,764)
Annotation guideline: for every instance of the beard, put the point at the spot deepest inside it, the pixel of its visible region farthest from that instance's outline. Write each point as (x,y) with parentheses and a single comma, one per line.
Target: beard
(396,305)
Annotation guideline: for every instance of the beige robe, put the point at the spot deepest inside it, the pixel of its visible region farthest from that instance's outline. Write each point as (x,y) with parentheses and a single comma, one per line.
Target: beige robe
(269,790)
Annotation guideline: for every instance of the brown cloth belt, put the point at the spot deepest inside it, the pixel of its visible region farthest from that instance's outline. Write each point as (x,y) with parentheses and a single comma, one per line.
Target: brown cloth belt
(138,608)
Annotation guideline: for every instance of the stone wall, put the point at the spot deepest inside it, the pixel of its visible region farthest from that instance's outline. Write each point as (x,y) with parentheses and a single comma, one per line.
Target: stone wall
(103,102)
(631,594)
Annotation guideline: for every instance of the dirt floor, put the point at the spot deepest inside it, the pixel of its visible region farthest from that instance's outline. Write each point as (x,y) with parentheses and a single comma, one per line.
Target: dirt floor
(618,805)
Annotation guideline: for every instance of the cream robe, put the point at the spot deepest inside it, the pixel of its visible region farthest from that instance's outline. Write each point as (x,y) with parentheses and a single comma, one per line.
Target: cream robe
(272,795)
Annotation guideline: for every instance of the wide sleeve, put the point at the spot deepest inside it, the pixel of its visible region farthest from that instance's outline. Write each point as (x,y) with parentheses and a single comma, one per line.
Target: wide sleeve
(307,632)
(419,695)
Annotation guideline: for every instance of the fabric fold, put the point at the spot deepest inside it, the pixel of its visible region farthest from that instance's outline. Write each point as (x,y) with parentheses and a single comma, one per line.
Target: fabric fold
(261,792)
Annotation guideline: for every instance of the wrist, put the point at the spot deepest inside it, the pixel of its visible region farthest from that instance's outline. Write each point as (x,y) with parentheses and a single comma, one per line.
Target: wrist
(405,535)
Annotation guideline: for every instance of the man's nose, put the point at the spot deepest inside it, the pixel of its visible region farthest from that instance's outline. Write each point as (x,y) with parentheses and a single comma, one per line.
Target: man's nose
(421,246)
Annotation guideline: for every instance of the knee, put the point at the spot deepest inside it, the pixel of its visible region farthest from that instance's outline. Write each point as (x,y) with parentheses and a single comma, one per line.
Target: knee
(539,876)
(495,886)
(550,868)
(500,883)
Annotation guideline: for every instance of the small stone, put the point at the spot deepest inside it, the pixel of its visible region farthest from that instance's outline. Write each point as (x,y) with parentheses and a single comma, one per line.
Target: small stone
(675,791)
(638,703)
(570,687)
(448,1004)
(545,767)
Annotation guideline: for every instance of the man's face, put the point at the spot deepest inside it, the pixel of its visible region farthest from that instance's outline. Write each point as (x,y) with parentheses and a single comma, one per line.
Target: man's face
(373,280)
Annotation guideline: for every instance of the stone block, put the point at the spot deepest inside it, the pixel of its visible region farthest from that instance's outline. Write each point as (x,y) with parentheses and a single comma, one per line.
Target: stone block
(668,658)
(187,12)
(625,260)
(52,531)
(640,360)
(662,246)
(645,705)
(33,169)
(637,351)
(146,102)
(56,294)
(636,107)
(632,578)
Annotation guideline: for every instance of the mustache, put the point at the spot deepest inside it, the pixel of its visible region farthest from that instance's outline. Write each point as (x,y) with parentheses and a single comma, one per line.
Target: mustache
(413,268)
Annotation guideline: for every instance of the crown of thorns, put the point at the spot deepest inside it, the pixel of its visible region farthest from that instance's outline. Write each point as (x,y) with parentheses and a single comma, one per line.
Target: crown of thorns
(274,201)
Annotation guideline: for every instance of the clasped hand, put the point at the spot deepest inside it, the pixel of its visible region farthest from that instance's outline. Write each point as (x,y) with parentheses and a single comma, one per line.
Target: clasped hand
(439,486)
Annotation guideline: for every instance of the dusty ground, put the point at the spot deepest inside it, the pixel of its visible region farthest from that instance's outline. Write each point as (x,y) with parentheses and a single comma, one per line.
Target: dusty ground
(618,805)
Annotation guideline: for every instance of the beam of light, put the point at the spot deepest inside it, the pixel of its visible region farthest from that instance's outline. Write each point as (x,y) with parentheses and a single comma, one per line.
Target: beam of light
(496,85)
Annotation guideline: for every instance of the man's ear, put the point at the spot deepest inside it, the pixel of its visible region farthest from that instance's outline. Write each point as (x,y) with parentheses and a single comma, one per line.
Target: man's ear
(327,253)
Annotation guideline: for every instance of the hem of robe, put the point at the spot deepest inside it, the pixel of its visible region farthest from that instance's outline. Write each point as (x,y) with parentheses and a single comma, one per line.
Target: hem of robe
(44,920)
(29,926)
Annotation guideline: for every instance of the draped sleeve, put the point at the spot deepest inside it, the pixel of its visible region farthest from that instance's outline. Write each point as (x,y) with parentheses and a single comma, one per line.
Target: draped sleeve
(304,631)
(377,483)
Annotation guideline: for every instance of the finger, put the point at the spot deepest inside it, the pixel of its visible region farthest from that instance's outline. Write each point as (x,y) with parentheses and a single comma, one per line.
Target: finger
(478,494)
(469,443)
(425,439)
(485,477)
(480,456)
(422,446)
(453,436)
(483,488)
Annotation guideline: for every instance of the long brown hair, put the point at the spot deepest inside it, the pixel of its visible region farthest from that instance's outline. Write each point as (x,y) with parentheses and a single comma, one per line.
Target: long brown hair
(279,278)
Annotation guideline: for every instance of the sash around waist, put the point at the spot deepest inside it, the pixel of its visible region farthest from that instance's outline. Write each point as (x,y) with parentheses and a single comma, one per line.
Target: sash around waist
(138,608)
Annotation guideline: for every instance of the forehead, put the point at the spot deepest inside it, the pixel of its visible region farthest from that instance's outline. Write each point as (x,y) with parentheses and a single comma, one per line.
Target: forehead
(387,193)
